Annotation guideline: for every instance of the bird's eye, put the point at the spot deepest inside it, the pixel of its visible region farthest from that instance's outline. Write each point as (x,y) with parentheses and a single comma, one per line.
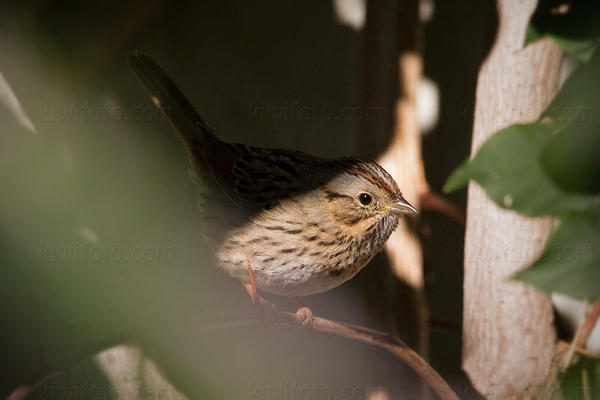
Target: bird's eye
(365,199)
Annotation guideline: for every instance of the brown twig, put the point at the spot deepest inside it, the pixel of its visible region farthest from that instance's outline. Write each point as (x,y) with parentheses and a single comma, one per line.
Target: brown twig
(570,354)
(585,385)
(381,340)
(349,331)
(432,201)
(590,322)
(564,346)
(582,334)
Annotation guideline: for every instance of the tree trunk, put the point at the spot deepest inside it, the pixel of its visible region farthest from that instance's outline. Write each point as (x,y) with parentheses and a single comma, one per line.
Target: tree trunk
(508,332)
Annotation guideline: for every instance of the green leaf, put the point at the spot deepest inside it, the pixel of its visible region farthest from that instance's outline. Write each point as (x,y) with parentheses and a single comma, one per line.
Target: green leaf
(507,166)
(458,178)
(581,49)
(570,263)
(571,157)
(579,97)
(571,25)
(531,35)
(572,381)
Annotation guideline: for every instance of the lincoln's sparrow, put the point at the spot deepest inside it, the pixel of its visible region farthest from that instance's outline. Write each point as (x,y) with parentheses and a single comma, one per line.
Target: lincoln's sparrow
(306,224)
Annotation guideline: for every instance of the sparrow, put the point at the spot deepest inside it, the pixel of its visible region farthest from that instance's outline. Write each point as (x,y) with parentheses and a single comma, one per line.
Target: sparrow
(283,221)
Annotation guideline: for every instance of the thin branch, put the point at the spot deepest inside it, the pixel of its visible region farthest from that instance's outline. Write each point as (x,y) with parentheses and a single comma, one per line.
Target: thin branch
(585,384)
(564,346)
(374,338)
(588,326)
(432,201)
(381,340)
(367,336)
(568,358)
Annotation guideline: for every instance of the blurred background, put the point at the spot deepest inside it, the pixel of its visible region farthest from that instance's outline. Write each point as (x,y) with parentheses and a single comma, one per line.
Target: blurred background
(99,231)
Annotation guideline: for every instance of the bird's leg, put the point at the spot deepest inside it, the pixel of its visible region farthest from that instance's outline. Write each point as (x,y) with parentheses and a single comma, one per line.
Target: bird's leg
(251,286)
(305,313)
(268,309)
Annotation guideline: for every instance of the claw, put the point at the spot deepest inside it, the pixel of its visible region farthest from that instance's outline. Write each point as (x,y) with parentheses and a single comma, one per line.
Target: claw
(306,316)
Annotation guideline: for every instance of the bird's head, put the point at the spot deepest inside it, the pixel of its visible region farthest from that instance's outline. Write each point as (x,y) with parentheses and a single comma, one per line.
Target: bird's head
(364,197)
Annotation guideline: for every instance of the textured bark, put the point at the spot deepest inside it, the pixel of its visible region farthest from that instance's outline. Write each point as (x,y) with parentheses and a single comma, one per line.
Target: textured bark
(508,332)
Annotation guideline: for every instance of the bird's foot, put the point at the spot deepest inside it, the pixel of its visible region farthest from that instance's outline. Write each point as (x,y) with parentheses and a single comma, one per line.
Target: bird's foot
(306,317)
(305,313)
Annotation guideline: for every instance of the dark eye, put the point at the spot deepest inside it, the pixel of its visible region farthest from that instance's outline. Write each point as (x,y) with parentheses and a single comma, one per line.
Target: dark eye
(365,199)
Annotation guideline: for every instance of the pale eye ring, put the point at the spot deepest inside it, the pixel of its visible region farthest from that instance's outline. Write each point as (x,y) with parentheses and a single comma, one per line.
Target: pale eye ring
(365,199)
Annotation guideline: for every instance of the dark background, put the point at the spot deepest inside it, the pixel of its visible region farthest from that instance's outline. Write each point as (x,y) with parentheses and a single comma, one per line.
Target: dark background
(105,172)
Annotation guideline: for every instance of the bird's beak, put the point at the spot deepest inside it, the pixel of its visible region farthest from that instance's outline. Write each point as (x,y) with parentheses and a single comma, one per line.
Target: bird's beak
(401,206)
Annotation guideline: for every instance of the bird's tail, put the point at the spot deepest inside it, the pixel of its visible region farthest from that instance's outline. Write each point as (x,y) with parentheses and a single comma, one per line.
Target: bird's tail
(167,96)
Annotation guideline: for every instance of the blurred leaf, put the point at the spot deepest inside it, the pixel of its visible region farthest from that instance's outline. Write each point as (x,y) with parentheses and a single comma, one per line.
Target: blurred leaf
(459,177)
(571,25)
(507,167)
(572,380)
(571,157)
(582,49)
(570,263)
(579,97)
